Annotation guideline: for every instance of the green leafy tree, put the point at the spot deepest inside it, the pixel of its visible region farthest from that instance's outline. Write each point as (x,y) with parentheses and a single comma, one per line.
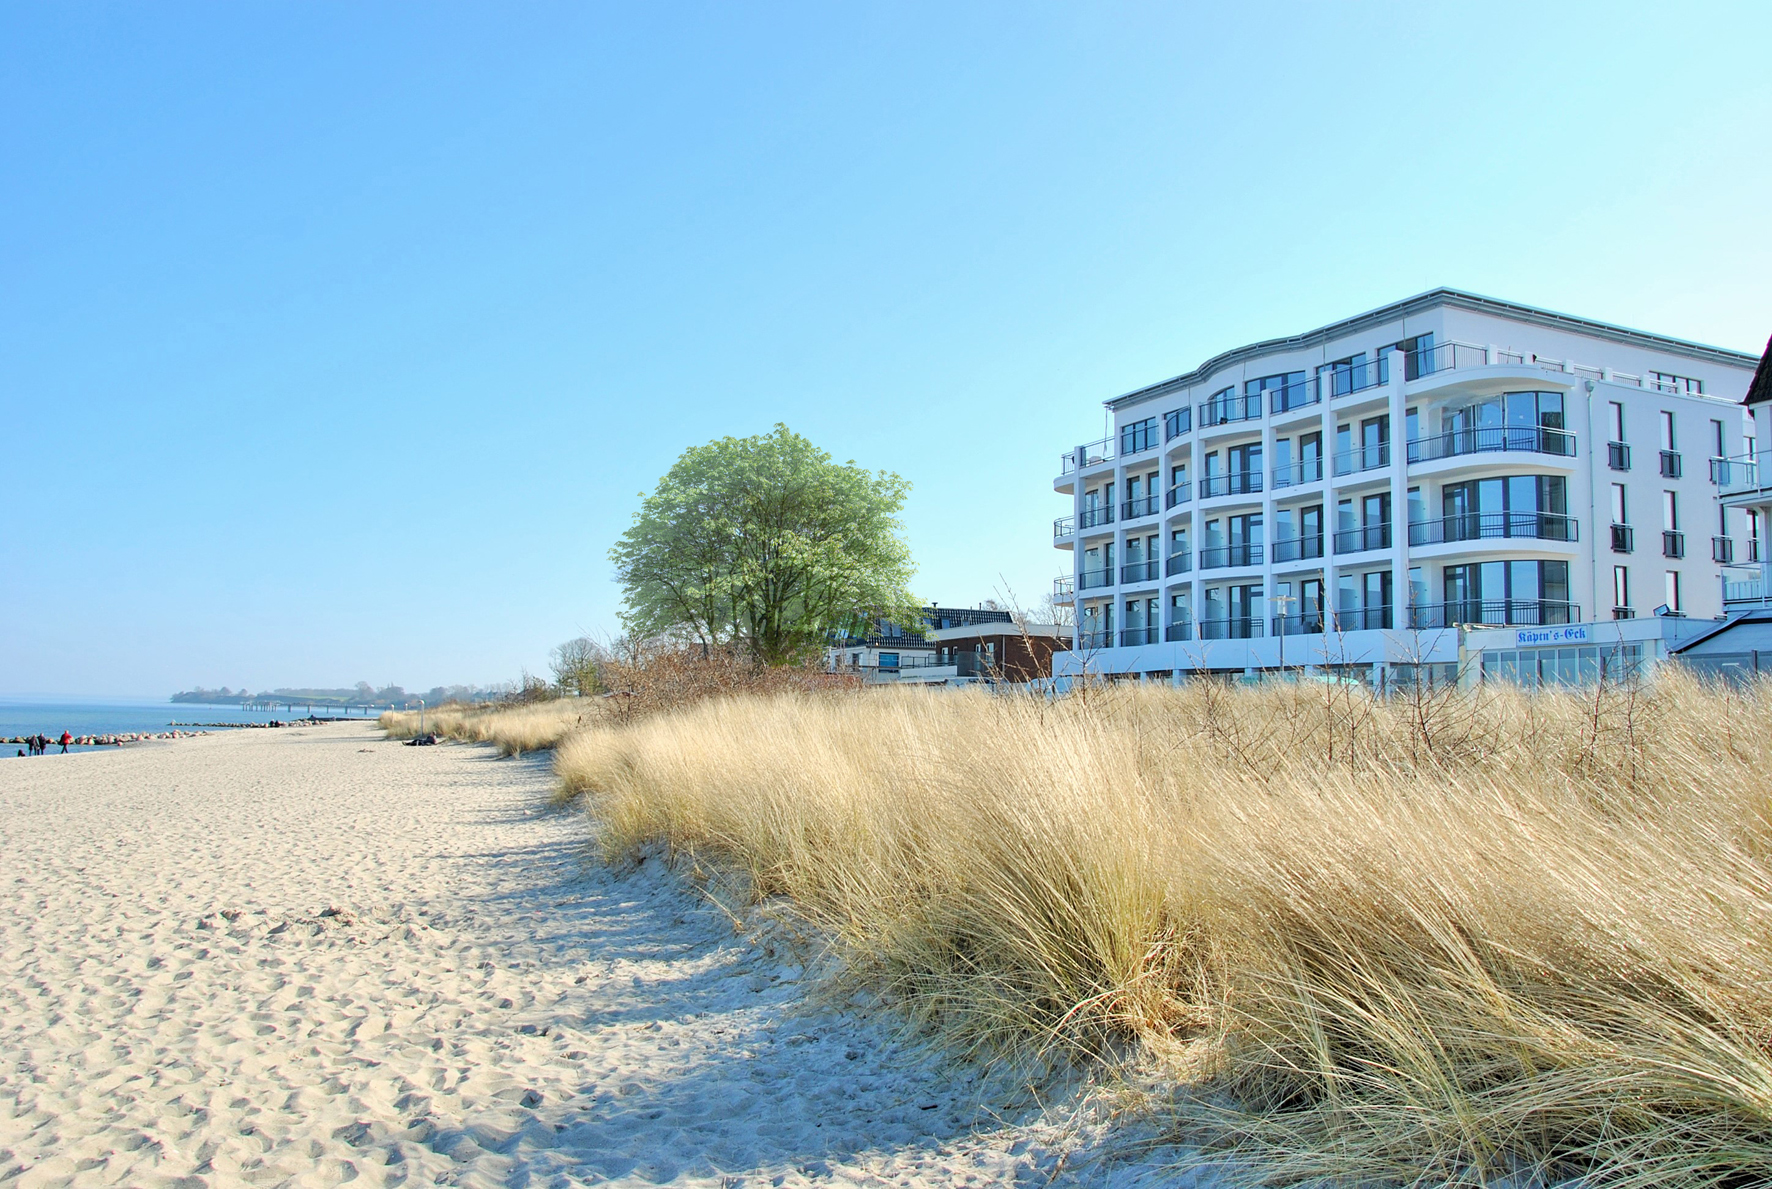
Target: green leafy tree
(765,545)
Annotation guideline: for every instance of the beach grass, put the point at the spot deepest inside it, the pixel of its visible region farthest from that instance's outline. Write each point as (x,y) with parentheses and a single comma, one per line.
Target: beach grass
(1441,937)
(512,728)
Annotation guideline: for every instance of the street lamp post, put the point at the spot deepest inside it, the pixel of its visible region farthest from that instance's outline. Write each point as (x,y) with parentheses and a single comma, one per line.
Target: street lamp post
(1283,601)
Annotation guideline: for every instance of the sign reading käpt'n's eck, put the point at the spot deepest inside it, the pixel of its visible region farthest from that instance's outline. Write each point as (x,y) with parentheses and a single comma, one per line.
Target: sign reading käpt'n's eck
(1574,633)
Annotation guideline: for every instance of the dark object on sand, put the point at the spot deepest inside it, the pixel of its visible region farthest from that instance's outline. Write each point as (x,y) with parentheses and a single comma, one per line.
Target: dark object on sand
(425,740)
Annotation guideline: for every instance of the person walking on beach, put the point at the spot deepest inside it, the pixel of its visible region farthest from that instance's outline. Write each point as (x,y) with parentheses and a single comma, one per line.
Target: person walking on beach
(66,739)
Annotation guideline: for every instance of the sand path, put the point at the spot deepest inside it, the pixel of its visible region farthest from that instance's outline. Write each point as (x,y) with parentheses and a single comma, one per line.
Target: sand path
(311,957)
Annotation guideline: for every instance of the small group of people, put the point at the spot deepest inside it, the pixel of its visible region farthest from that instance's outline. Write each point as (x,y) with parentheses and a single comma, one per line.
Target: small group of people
(40,744)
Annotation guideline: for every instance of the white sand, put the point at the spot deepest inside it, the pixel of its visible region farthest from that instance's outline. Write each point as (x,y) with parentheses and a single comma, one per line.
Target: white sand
(312,956)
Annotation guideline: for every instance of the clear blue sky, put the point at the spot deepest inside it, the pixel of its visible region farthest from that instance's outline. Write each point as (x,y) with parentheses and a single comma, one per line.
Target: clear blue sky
(338,340)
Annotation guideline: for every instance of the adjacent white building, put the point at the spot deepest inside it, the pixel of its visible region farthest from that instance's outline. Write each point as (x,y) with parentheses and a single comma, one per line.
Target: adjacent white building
(1349,496)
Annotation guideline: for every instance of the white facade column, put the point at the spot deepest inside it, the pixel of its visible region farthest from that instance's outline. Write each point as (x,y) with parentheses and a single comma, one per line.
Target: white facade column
(1399,471)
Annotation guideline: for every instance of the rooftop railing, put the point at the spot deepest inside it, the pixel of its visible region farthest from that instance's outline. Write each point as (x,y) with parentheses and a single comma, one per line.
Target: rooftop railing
(1481,526)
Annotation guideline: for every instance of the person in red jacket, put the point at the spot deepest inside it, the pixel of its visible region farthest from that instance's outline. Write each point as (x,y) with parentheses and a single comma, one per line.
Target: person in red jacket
(66,739)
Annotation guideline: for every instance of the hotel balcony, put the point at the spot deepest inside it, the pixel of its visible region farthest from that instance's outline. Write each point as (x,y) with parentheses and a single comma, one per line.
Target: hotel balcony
(1235,627)
(1494,613)
(1486,526)
(1516,439)
(1064,531)
(1141,571)
(1220,557)
(1298,549)
(1095,579)
(1138,509)
(1234,483)
(1064,591)
(1363,540)
(1133,637)
(1745,586)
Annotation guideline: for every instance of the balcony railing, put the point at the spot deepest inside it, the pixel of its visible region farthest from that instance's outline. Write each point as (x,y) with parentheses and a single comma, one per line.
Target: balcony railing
(1096,517)
(1234,483)
(1722,549)
(1235,627)
(1227,409)
(1178,563)
(1739,474)
(1623,613)
(1671,466)
(1363,619)
(1177,422)
(1493,613)
(1310,623)
(1064,526)
(1521,438)
(1087,455)
(1141,571)
(1363,458)
(1298,548)
(1673,544)
(1624,538)
(1445,357)
(1242,553)
(1294,396)
(1093,640)
(1144,505)
(1133,637)
(1308,470)
(1064,591)
(1181,493)
(1745,584)
(1617,456)
(1360,540)
(1094,579)
(1482,526)
(1179,631)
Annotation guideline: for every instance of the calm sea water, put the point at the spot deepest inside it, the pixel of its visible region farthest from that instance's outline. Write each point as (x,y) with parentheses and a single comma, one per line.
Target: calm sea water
(20,716)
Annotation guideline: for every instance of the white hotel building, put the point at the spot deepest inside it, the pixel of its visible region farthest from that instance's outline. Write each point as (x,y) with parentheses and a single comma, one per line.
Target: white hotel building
(1350,496)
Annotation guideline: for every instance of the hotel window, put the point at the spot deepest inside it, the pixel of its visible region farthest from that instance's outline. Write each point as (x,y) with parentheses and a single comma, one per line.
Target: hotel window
(1139,436)
(1620,587)
(1620,507)
(1673,591)
(1717,449)
(1667,430)
(1617,421)
(1670,511)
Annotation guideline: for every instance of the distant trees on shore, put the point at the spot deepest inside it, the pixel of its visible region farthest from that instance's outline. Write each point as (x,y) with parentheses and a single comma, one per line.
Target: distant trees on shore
(362,694)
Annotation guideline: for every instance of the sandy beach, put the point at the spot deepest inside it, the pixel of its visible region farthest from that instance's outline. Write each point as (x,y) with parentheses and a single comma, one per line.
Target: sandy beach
(313,956)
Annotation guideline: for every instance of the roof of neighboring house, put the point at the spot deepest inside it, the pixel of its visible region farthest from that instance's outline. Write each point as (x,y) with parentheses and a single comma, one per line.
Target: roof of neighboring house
(1427,301)
(1752,615)
(1761,388)
(979,631)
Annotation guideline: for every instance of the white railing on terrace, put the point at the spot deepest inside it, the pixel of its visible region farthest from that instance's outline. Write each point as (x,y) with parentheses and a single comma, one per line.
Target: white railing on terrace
(1740,474)
(1745,586)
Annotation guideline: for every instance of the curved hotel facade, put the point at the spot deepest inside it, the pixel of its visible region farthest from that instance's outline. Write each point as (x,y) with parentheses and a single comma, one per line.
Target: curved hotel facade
(1350,496)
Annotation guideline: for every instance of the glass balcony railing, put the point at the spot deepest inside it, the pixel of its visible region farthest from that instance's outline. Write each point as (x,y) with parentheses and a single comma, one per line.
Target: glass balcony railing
(1144,505)
(1141,571)
(1483,526)
(1521,438)
(1494,613)
(1133,637)
(1179,631)
(1234,483)
(1219,557)
(1086,455)
(1363,458)
(1227,409)
(1095,517)
(1094,579)
(1064,526)
(1235,627)
(1178,563)
(1181,493)
(1298,548)
(1308,470)
(1361,540)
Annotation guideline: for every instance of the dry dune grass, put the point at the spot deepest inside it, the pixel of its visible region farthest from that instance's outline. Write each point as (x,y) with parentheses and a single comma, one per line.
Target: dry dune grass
(1440,938)
(513,729)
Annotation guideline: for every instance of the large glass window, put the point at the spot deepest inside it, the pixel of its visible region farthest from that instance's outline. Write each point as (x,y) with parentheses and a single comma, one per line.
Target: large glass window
(1139,436)
(1178,421)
